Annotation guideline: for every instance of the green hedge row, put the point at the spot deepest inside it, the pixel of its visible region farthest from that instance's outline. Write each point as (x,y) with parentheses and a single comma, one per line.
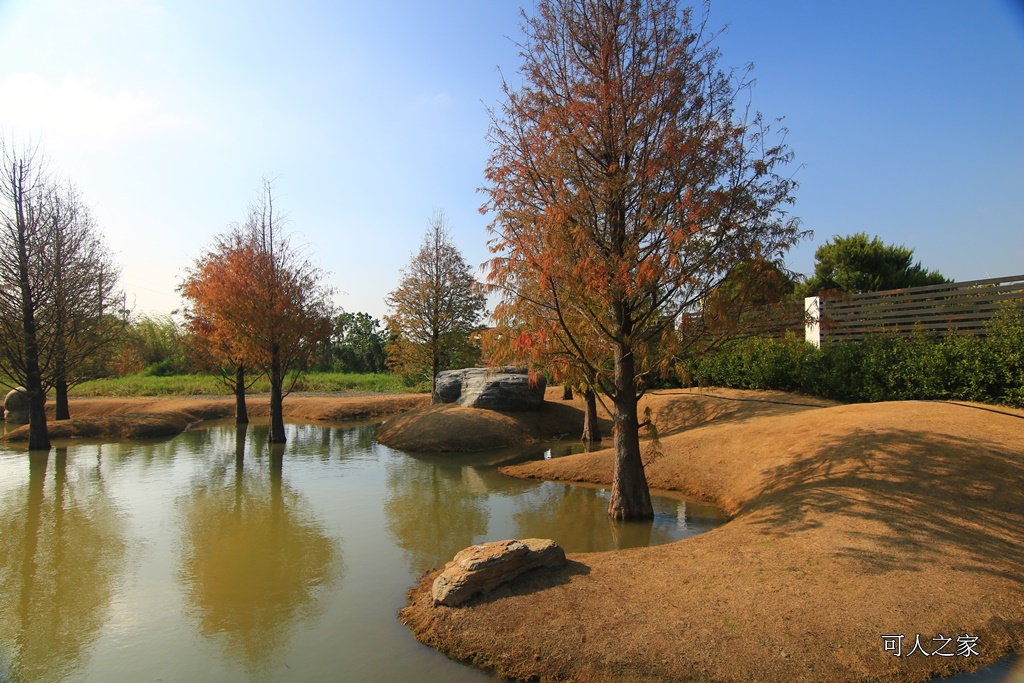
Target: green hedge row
(881,368)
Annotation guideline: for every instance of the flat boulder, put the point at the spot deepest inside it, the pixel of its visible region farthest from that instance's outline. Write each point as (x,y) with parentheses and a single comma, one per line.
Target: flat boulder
(482,568)
(505,389)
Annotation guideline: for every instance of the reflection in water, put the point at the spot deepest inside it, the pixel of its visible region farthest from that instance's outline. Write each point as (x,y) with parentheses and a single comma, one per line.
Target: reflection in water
(234,541)
(62,550)
(565,512)
(439,504)
(433,511)
(254,557)
(324,441)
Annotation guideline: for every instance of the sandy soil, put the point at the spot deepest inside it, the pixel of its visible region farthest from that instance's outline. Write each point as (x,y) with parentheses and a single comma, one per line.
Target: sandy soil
(851,522)
(132,418)
(451,428)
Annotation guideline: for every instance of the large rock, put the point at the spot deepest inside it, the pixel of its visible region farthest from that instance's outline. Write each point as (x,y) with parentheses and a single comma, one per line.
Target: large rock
(16,406)
(482,568)
(505,389)
(448,386)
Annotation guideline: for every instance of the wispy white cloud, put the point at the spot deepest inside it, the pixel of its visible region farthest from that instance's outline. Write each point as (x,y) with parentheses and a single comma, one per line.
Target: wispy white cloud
(79,109)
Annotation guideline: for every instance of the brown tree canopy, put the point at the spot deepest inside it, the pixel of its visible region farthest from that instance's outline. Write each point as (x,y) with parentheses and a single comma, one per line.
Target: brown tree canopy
(435,308)
(260,302)
(625,186)
(85,311)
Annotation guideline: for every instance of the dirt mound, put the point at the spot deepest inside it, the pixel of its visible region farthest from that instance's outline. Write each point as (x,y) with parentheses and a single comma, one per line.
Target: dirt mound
(452,428)
(123,426)
(852,522)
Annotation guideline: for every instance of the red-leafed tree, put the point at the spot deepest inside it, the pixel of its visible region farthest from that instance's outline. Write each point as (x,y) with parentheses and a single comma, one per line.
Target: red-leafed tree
(261,303)
(212,289)
(626,186)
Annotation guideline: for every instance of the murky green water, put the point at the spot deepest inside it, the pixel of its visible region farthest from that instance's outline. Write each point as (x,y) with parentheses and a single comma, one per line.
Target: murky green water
(209,558)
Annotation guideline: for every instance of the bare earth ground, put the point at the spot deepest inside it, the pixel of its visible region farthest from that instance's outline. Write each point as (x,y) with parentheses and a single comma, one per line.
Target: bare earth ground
(851,522)
(132,418)
(449,427)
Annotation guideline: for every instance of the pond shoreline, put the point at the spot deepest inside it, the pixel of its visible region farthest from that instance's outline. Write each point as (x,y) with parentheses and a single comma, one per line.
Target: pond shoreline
(162,416)
(851,523)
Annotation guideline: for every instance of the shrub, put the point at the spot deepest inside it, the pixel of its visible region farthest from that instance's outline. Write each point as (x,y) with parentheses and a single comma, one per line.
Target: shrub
(882,367)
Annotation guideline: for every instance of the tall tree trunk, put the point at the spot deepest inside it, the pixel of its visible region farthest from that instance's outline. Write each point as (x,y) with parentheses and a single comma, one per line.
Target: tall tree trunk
(276,397)
(38,436)
(241,412)
(566,392)
(631,499)
(435,364)
(62,410)
(591,434)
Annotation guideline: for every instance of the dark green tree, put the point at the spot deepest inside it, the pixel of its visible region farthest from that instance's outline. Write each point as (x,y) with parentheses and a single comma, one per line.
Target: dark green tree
(358,343)
(857,263)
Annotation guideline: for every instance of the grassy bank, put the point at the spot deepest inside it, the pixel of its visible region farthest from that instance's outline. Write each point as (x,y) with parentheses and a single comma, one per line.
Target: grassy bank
(207,385)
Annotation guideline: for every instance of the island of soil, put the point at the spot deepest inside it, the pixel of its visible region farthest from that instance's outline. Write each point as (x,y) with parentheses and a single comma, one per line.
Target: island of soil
(851,524)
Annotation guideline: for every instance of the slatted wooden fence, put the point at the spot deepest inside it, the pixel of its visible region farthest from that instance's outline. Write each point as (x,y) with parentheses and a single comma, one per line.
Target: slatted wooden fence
(955,307)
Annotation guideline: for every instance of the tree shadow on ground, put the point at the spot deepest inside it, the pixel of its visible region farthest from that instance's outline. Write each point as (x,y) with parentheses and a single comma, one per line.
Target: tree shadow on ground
(906,500)
(690,411)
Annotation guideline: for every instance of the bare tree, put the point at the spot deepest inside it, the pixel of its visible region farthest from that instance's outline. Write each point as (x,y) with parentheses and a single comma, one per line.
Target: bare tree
(58,286)
(22,239)
(83,309)
(435,308)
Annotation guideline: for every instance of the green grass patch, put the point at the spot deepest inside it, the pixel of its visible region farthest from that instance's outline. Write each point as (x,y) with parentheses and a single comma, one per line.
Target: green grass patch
(207,385)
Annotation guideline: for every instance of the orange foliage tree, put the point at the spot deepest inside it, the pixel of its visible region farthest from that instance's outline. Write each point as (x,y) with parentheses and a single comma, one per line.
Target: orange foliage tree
(258,303)
(626,186)
(211,289)
(526,332)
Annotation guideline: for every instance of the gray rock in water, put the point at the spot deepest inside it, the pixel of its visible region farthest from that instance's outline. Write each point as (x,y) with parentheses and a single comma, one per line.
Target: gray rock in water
(482,568)
(16,406)
(505,389)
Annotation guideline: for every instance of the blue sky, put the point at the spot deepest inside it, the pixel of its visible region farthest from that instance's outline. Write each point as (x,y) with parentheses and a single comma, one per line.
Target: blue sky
(905,118)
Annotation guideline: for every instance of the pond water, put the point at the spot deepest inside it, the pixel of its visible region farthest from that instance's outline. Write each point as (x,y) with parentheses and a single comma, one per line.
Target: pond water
(213,557)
